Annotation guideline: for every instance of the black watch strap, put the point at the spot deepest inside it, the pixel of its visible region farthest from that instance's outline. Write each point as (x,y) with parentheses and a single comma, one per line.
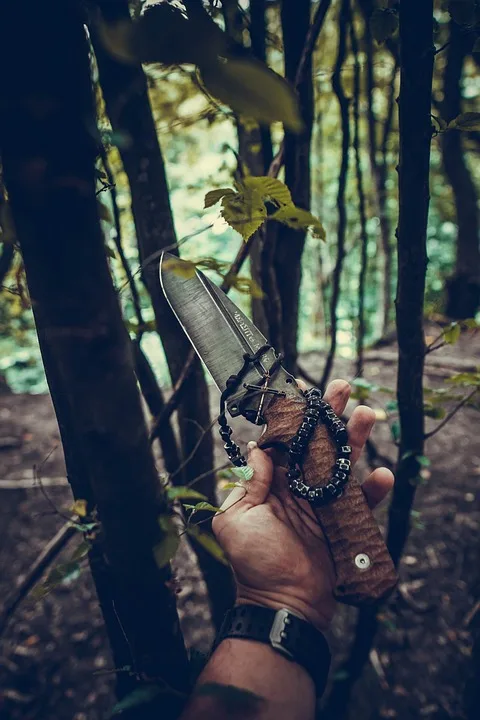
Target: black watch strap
(288,634)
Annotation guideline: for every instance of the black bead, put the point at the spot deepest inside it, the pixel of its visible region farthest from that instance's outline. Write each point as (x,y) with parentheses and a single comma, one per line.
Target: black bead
(311,412)
(341,436)
(340,476)
(303,432)
(293,474)
(312,422)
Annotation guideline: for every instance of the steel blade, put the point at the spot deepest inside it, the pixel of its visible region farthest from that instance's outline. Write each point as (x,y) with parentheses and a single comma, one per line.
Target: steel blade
(219,331)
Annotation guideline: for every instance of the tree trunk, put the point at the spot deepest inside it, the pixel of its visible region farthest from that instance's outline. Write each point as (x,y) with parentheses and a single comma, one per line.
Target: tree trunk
(289,242)
(343,102)
(47,120)
(416,69)
(463,288)
(126,98)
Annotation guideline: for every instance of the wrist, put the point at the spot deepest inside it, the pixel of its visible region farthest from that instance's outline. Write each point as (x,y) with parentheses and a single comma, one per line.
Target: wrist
(319,619)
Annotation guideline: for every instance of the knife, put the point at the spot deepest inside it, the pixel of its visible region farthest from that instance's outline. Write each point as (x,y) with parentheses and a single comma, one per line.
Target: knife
(224,337)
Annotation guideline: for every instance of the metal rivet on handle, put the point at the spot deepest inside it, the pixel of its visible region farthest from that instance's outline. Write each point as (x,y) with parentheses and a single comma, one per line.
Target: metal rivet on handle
(362,561)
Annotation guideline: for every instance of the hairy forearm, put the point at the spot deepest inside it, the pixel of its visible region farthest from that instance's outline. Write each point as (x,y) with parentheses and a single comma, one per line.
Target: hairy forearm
(249,680)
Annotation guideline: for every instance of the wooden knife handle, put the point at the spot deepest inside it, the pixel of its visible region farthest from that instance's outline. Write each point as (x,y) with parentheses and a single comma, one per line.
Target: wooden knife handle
(364,569)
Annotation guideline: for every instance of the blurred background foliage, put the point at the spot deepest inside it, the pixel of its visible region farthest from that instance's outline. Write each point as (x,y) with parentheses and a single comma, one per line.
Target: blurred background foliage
(199,141)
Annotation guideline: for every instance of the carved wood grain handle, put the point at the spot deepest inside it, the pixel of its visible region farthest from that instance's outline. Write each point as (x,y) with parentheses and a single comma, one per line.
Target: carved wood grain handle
(364,569)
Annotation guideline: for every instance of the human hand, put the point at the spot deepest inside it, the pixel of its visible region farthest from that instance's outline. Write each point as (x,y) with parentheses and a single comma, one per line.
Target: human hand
(272,539)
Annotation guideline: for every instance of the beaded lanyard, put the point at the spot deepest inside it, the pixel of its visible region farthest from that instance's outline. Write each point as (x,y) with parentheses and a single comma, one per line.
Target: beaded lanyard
(317,410)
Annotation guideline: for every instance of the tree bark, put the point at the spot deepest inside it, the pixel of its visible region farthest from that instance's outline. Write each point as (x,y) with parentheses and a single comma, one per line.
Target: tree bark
(416,70)
(126,98)
(47,123)
(289,244)
(463,288)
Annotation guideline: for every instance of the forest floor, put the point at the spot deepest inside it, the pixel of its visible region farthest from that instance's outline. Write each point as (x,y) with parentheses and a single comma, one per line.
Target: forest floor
(54,658)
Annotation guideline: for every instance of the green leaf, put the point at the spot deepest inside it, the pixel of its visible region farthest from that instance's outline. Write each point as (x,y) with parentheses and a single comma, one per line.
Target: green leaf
(137,697)
(423,460)
(383,24)
(81,552)
(245,212)
(164,551)
(203,506)
(230,486)
(270,189)
(61,573)
(247,286)
(467,122)
(466,379)
(252,89)
(434,411)
(79,508)
(163,35)
(184,493)
(299,219)
(213,196)
(244,473)
(208,542)
(395,430)
(452,333)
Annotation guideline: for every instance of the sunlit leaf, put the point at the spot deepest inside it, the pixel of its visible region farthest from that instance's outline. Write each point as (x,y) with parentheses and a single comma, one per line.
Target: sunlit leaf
(383,24)
(184,493)
(395,431)
(247,286)
(467,122)
(452,333)
(183,268)
(299,219)
(434,411)
(468,379)
(79,508)
(423,460)
(61,573)
(270,189)
(213,196)
(245,212)
(251,88)
(81,552)
(208,542)
(203,506)
(229,485)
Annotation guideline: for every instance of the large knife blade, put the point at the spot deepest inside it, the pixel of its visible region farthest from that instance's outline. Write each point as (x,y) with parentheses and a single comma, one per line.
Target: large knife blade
(221,334)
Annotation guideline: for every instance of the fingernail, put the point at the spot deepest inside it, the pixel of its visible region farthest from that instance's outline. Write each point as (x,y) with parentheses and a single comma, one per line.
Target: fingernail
(251,445)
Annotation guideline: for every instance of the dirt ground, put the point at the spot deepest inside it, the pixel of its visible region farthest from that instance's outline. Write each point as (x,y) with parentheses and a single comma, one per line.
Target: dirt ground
(54,658)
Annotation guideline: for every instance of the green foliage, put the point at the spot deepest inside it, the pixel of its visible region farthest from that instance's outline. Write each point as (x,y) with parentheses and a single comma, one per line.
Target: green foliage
(468,122)
(361,389)
(383,24)
(208,542)
(163,35)
(184,493)
(141,696)
(202,506)
(246,210)
(165,550)
(62,573)
(452,333)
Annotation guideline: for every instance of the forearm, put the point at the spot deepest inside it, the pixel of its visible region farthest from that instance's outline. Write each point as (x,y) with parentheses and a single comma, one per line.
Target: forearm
(274,688)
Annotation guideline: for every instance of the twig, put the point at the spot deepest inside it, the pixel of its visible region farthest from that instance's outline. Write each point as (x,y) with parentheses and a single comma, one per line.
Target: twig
(32,484)
(450,415)
(51,550)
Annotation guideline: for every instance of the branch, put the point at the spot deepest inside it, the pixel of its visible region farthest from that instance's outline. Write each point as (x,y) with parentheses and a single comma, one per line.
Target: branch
(450,415)
(51,550)
(310,43)
(6,259)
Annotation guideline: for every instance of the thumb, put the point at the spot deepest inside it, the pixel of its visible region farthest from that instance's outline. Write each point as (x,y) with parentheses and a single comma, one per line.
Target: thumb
(259,486)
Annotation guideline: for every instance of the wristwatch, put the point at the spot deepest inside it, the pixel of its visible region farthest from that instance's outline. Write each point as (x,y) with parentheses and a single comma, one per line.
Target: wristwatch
(285,632)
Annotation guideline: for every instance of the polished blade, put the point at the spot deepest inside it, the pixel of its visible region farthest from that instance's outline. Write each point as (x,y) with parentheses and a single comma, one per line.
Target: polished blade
(219,331)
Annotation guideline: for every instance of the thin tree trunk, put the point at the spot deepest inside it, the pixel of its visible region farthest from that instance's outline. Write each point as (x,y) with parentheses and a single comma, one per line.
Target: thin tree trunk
(342,183)
(416,68)
(463,289)
(289,242)
(379,171)
(126,98)
(361,327)
(48,154)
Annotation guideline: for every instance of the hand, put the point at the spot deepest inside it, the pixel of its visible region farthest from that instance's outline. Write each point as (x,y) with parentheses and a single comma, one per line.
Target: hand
(273,541)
